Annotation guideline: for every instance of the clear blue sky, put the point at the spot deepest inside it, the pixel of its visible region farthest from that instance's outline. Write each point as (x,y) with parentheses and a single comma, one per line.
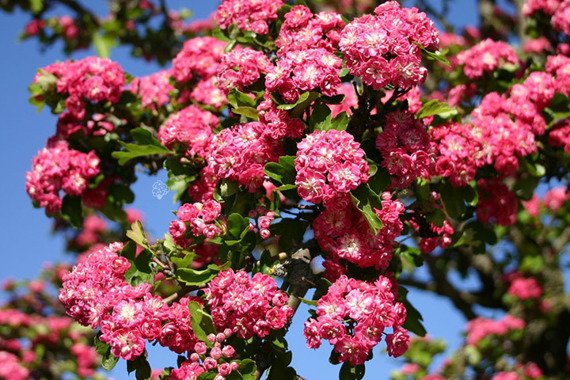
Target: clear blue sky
(25,231)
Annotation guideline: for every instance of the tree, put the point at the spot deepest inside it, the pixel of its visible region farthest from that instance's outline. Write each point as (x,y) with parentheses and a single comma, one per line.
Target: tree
(321,153)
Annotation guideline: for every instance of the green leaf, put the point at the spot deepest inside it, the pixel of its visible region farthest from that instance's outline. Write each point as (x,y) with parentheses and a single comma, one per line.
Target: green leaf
(147,145)
(247,369)
(237,225)
(134,150)
(137,234)
(36,6)
(304,100)
(453,200)
(103,44)
(283,171)
(413,317)
(72,210)
(350,372)
(141,367)
(435,56)
(238,99)
(248,112)
(108,361)
(194,277)
(435,107)
(202,323)
(366,201)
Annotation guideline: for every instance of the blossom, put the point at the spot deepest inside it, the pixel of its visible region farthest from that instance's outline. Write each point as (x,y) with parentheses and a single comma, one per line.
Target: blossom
(525,288)
(480,327)
(200,57)
(368,309)
(241,68)
(485,57)
(58,168)
(382,48)
(253,15)
(305,70)
(191,127)
(247,306)
(404,144)
(303,30)
(496,203)
(153,89)
(329,163)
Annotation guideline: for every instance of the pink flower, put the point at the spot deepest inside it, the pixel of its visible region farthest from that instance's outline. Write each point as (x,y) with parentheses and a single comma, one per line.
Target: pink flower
(328,164)
(382,50)
(58,168)
(368,309)
(485,57)
(250,15)
(245,306)
(525,288)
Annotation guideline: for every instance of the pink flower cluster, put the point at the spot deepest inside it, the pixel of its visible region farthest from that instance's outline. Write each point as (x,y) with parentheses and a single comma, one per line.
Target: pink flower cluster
(560,136)
(201,218)
(207,92)
(443,237)
(278,123)
(303,30)
(496,203)
(503,129)
(240,153)
(154,90)
(56,168)
(353,315)
(486,57)
(305,70)
(329,163)
(91,79)
(479,328)
(405,147)
(207,360)
(559,67)
(382,50)
(343,233)
(191,127)
(525,288)
(10,368)
(241,68)
(199,57)
(558,9)
(252,15)
(96,294)
(247,306)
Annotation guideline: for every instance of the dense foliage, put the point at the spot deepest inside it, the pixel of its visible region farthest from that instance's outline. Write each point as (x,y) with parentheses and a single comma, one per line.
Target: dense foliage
(321,152)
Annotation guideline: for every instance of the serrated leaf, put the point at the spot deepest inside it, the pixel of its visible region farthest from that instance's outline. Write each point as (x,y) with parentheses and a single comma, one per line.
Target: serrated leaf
(194,277)
(248,112)
(247,369)
(239,99)
(137,234)
(366,201)
(134,151)
(282,171)
(202,323)
(304,100)
(108,361)
(237,224)
(434,56)
(435,107)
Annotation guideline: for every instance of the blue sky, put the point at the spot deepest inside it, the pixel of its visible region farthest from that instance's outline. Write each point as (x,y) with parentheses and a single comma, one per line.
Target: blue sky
(25,231)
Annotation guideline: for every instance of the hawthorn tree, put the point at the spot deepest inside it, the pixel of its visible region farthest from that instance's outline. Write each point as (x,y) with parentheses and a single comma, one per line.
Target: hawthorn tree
(321,152)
